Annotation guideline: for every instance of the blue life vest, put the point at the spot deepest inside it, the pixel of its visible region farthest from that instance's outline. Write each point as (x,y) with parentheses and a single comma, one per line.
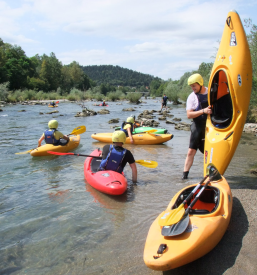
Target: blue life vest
(125,130)
(113,160)
(202,103)
(49,137)
(165,98)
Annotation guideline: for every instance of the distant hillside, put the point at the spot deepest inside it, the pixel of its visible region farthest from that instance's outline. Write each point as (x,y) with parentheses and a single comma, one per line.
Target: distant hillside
(115,75)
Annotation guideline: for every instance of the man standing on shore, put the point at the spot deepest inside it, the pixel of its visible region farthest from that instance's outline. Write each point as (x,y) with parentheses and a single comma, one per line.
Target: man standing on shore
(197,109)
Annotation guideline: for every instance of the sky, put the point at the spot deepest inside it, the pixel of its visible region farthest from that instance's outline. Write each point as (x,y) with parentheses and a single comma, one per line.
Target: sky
(163,38)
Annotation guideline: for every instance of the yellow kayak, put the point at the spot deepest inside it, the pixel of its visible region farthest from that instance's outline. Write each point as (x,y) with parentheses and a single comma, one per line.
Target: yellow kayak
(142,139)
(208,221)
(229,95)
(51,106)
(42,150)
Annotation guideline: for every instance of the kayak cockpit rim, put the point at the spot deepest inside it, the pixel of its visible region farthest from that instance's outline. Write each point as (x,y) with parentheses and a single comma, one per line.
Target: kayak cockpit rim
(221,101)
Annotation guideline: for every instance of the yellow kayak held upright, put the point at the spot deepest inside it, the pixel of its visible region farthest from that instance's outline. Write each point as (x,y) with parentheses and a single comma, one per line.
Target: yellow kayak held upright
(171,246)
(229,95)
(42,150)
(142,139)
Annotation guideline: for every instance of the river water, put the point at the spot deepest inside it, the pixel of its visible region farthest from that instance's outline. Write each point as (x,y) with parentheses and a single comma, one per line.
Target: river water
(53,222)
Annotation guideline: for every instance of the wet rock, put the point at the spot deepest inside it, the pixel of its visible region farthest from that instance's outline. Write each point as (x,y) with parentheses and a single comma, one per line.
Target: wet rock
(1,110)
(103,112)
(41,113)
(52,112)
(22,111)
(162,118)
(250,128)
(253,171)
(114,126)
(176,119)
(182,126)
(150,122)
(114,120)
(170,122)
(128,109)
(86,112)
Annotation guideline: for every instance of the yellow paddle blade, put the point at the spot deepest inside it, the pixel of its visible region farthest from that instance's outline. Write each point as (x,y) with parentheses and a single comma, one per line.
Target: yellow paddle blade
(79,130)
(173,216)
(147,163)
(26,152)
(150,131)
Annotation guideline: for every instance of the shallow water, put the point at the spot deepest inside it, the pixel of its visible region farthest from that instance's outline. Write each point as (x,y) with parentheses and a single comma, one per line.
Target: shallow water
(52,222)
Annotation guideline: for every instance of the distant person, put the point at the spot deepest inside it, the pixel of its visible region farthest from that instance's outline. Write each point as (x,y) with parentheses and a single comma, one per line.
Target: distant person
(115,157)
(52,135)
(128,128)
(164,101)
(197,109)
(103,103)
(53,103)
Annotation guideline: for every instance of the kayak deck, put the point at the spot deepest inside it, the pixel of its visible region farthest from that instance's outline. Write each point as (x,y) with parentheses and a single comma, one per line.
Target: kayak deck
(108,182)
(42,150)
(140,139)
(208,221)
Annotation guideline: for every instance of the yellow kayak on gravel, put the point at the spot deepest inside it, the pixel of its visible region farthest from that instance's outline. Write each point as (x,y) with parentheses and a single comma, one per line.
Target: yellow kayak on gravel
(229,95)
(42,150)
(142,139)
(171,246)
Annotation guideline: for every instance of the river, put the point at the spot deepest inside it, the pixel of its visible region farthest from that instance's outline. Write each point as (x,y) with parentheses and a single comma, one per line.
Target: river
(53,222)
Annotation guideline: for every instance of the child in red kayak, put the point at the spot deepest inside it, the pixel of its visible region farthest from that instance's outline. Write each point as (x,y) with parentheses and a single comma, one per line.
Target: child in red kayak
(115,157)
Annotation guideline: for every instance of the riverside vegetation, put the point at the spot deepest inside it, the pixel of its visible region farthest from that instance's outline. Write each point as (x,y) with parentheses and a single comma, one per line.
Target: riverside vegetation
(45,78)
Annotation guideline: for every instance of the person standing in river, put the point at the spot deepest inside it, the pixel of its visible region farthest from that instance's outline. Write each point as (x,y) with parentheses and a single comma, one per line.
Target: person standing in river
(164,101)
(197,109)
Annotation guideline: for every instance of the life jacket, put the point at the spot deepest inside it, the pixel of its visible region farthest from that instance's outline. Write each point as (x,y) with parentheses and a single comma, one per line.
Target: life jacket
(125,130)
(113,160)
(202,103)
(49,137)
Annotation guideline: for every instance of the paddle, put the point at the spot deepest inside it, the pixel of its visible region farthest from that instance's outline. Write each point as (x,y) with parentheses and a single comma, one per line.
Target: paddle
(146,163)
(148,132)
(77,131)
(169,217)
(181,226)
(57,102)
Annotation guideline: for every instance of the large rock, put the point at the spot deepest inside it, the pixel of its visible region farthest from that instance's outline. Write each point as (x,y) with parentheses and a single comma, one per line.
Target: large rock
(103,112)
(150,123)
(128,109)
(114,120)
(182,126)
(250,128)
(49,113)
(86,112)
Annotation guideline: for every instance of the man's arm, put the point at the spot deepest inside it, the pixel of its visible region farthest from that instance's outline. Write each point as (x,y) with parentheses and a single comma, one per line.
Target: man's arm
(194,114)
(134,172)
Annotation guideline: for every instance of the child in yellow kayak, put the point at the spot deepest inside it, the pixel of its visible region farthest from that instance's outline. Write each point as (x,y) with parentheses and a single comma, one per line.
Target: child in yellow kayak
(52,135)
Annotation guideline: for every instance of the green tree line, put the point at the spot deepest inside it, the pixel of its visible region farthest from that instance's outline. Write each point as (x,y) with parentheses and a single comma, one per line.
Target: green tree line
(39,73)
(117,76)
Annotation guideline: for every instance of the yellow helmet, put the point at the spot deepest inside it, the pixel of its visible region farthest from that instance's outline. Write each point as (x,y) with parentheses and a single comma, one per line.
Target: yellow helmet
(195,78)
(53,124)
(119,136)
(130,119)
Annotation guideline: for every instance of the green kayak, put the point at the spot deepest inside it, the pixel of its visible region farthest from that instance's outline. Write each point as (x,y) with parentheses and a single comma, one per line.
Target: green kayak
(143,129)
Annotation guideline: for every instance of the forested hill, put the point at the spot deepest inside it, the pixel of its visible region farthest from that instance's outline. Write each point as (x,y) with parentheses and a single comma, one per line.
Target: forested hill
(115,75)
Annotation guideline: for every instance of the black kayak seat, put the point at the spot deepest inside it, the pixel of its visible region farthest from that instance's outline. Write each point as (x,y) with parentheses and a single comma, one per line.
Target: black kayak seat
(94,165)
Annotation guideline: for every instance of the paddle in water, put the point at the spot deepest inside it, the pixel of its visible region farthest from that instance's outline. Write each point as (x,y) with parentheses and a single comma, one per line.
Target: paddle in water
(146,163)
(77,131)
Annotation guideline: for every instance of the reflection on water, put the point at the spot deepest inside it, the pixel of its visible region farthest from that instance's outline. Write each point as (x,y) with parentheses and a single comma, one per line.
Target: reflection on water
(52,222)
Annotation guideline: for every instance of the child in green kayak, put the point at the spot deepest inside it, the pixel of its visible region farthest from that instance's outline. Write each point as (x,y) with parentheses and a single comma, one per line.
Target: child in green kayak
(52,135)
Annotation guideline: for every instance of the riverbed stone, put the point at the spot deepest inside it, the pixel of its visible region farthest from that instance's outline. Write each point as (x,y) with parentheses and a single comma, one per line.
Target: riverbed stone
(128,110)
(114,120)
(103,112)
(182,126)
(86,112)
(52,112)
(162,118)
(250,128)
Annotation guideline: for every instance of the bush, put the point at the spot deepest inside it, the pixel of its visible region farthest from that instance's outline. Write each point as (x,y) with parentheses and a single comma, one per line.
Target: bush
(29,95)
(16,96)
(172,91)
(4,91)
(134,97)
(118,95)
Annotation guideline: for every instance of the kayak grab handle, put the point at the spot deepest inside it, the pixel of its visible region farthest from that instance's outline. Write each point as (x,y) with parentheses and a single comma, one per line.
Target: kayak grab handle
(228,21)
(229,135)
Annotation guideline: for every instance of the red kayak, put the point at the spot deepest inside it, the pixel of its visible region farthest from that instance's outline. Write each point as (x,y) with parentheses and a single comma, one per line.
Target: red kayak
(108,182)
